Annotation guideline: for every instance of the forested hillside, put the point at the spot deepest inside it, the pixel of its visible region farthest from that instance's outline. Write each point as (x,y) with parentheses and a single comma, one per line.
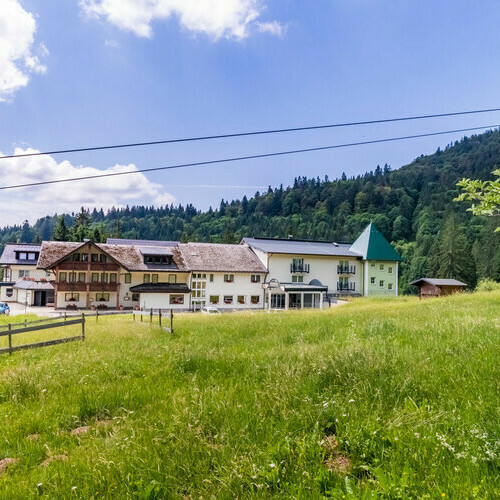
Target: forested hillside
(412,206)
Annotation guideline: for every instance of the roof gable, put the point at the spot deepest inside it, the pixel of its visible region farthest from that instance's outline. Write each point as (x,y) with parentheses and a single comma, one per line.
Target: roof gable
(372,245)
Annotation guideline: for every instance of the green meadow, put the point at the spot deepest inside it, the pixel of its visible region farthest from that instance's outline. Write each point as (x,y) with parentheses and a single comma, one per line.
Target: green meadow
(373,399)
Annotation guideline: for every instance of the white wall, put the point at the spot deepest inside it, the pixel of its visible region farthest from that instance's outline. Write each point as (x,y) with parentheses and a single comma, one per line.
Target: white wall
(242,285)
(162,301)
(322,268)
(33,273)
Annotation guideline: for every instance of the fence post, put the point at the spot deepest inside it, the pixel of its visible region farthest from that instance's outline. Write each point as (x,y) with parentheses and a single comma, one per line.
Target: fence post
(151,316)
(65,316)
(83,326)
(10,339)
(141,315)
(172,321)
(133,315)
(159,316)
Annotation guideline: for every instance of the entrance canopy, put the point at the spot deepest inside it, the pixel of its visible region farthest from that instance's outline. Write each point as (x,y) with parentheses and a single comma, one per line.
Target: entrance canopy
(294,295)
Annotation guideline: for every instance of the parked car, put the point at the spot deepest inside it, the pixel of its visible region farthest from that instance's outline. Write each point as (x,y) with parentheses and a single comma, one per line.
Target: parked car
(210,310)
(4,308)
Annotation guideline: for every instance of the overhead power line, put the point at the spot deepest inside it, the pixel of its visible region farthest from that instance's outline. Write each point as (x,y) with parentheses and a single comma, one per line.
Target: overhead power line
(257,132)
(248,157)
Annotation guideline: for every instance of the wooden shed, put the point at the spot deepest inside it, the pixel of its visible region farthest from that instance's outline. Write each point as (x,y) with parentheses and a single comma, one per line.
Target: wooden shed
(434,287)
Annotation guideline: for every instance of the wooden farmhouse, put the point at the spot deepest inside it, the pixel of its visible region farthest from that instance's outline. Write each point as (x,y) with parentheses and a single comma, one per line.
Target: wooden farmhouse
(432,287)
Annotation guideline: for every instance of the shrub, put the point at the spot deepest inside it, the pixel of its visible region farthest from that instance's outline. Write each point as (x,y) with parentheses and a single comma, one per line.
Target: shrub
(487,285)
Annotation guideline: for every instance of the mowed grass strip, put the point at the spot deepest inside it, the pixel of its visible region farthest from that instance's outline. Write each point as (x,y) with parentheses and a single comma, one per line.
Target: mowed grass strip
(377,398)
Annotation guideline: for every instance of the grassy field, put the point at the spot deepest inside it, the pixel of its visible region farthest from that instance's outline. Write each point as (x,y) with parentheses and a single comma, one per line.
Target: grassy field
(374,399)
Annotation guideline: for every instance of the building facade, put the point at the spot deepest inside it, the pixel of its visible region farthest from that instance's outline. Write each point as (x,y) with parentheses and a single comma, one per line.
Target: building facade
(304,273)
(21,280)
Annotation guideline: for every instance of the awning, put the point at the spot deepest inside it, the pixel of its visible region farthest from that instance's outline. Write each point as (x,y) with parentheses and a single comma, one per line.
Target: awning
(33,285)
(295,287)
(160,288)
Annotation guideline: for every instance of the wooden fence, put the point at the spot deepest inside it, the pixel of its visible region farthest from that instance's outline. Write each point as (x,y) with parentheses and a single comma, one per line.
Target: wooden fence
(17,328)
(72,319)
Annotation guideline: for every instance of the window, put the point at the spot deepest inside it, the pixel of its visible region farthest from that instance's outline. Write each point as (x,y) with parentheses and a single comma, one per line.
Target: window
(214,299)
(94,257)
(255,299)
(47,274)
(381,267)
(381,283)
(373,264)
(102,258)
(72,277)
(31,256)
(71,297)
(241,299)
(24,274)
(297,279)
(62,277)
(76,257)
(389,269)
(228,278)
(372,281)
(128,278)
(255,278)
(112,277)
(146,278)
(9,292)
(298,262)
(154,278)
(228,299)
(104,277)
(211,278)
(23,256)
(81,277)
(177,299)
(95,277)
(389,286)
(172,278)
(85,257)
(102,297)
(135,297)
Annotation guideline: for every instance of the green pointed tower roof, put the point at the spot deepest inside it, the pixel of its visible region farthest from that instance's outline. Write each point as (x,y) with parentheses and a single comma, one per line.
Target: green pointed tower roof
(372,245)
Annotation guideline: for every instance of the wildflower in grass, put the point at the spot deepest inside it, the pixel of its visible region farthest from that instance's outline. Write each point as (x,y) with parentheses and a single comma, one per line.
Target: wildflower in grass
(351,401)
(272,465)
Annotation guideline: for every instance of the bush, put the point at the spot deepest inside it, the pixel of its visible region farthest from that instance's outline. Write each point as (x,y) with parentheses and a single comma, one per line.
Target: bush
(487,285)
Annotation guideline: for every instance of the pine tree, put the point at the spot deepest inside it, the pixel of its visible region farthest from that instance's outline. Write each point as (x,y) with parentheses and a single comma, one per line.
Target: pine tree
(61,232)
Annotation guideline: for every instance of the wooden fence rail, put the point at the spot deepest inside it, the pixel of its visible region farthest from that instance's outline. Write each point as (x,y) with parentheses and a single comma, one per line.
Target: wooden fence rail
(10,332)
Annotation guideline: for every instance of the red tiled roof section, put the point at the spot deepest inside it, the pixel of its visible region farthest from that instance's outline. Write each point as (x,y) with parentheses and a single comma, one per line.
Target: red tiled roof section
(218,257)
(53,251)
(127,256)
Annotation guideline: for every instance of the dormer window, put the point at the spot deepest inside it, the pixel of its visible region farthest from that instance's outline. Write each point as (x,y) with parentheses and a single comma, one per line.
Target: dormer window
(157,259)
(27,255)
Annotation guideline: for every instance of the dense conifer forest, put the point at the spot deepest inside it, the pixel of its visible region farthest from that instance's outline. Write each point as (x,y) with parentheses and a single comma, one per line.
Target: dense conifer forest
(413,207)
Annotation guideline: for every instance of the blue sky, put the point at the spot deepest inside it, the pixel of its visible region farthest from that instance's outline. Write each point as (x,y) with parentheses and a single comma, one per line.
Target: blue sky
(94,72)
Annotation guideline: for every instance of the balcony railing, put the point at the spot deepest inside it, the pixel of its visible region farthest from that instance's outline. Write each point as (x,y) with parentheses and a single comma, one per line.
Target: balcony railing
(299,268)
(346,269)
(346,287)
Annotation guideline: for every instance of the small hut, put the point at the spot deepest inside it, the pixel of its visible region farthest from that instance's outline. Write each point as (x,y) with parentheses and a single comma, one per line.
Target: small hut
(433,287)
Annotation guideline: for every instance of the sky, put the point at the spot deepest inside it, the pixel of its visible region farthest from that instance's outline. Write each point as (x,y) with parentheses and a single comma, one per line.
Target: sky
(76,73)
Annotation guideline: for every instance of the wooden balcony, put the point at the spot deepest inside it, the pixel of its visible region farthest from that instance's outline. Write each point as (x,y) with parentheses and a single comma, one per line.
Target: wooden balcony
(104,266)
(64,286)
(73,266)
(103,287)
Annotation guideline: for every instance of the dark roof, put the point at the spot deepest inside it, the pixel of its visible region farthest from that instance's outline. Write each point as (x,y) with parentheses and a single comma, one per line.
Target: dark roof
(9,253)
(127,256)
(147,243)
(372,245)
(313,286)
(438,282)
(160,288)
(217,257)
(301,247)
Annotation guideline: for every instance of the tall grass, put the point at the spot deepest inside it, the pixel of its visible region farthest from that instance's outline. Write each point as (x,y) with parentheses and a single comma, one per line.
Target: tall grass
(377,398)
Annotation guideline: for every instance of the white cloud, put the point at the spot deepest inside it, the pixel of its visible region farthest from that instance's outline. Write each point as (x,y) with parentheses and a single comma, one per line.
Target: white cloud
(216,18)
(31,203)
(18,55)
